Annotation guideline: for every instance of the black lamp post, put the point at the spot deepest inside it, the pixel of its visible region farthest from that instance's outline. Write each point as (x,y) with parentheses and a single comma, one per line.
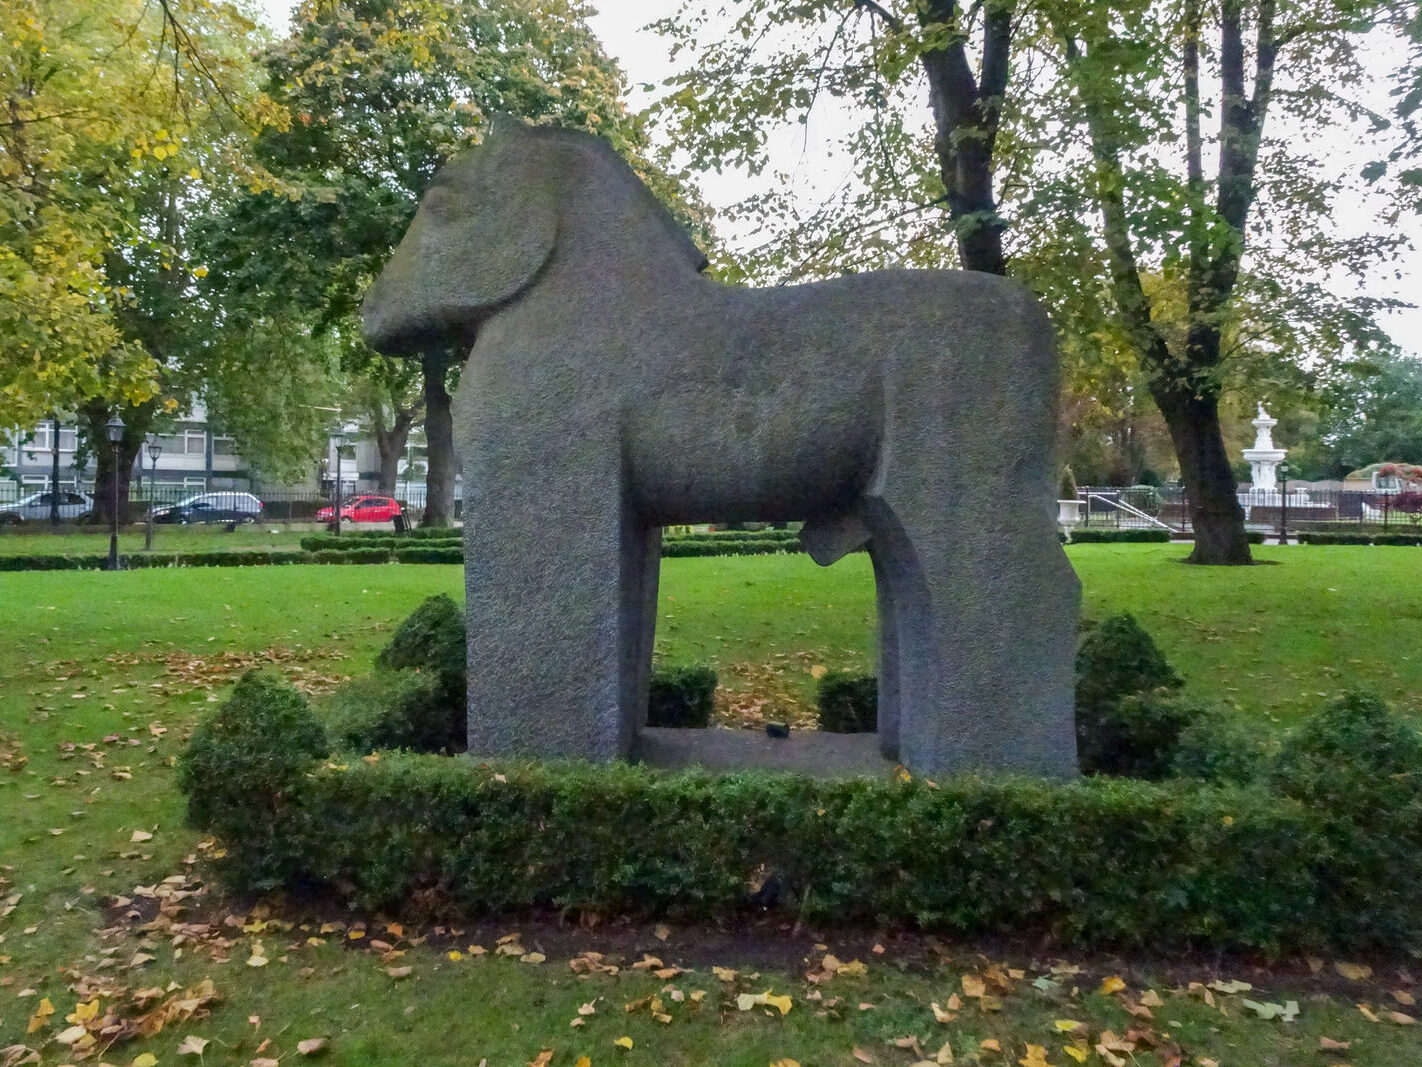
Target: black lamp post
(155,449)
(114,429)
(340,440)
(1283,503)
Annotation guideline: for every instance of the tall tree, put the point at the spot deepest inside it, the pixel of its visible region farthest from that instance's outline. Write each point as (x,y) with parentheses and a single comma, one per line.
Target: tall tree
(381,93)
(1100,112)
(122,116)
(1137,77)
(777,62)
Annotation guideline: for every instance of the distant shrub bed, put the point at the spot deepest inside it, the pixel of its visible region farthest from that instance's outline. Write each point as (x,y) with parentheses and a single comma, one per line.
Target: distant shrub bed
(1327,857)
(183,559)
(319,542)
(417,533)
(1088,536)
(1313,537)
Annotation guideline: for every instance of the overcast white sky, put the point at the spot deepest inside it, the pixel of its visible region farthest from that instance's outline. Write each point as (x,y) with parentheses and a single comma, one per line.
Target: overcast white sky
(643,56)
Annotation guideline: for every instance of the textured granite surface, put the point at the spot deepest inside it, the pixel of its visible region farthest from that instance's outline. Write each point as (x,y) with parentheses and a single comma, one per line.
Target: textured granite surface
(611,389)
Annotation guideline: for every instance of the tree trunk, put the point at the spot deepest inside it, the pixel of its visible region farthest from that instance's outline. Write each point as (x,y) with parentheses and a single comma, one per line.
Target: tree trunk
(966,114)
(391,445)
(439,440)
(1215,513)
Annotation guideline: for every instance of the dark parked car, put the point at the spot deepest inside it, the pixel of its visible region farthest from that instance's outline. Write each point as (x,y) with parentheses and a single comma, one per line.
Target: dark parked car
(225,506)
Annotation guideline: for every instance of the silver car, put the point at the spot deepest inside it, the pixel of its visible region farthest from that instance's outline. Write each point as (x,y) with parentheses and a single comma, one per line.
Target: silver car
(35,507)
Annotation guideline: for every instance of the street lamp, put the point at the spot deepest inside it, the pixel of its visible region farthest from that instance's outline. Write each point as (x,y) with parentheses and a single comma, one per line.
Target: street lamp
(340,441)
(1283,503)
(114,428)
(155,449)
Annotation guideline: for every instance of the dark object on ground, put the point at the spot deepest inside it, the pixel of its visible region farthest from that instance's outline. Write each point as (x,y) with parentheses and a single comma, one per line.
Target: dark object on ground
(777,729)
(848,703)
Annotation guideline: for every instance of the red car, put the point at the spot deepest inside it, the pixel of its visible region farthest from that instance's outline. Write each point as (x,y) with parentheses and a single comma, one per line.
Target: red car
(363,509)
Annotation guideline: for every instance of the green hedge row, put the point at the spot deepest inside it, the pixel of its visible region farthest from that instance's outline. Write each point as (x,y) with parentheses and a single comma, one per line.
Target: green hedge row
(323,542)
(1097,862)
(1322,851)
(1088,536)
(1316,538)
(417,533)
(189,559)
(429,555)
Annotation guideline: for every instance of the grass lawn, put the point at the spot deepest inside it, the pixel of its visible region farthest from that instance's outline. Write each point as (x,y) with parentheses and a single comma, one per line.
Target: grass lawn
(101,676)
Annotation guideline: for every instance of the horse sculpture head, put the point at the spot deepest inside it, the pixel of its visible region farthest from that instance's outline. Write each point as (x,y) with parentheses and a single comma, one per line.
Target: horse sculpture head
(490,220)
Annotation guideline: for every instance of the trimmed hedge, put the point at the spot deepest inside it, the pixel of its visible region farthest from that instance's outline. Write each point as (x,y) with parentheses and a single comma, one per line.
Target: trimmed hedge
(681,696)
(320,542)
(1088,536)
(1330,861)
(848,703)
(416,533)
(429,555)
(1313,537)
(155,559)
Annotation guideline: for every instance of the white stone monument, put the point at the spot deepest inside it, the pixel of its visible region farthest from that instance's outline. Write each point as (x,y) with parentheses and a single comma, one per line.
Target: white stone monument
(1264,458)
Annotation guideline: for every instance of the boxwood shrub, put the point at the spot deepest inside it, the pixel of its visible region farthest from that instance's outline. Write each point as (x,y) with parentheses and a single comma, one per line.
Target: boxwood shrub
(681,696)
(430,555)
(1327,860)
(848,703)
(1312,537)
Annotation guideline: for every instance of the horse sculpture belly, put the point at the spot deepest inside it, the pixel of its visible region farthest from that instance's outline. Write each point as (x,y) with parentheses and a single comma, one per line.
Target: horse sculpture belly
(612,390)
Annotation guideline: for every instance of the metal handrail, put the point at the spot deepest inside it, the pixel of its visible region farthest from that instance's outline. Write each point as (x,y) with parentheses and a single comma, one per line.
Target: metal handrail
(1129,509)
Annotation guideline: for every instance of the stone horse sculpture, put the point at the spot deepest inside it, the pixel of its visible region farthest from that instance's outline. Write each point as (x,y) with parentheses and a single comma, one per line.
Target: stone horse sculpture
(612,389)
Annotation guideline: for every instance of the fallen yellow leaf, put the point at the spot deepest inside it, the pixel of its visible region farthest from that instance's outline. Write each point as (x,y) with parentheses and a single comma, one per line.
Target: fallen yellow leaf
(623,1042)
(1354,972)
(973,986)
(583,1061)
(1078,1054)
(990,1044)
(312,1046)
(1114,984)
(145,1059)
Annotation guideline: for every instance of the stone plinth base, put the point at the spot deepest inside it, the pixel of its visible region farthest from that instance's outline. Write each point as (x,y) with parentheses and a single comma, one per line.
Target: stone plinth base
(803,752)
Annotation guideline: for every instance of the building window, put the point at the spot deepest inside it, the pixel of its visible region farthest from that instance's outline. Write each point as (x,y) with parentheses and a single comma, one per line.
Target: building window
(40,439)
(194,483)
(195,442)
(224,446)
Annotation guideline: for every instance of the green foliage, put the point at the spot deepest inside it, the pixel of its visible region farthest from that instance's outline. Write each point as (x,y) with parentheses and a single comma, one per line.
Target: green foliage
(353,543)
(1318,537)
(1085,535)
(360,555)
(1066,490)
(404,709)
(681,696)
(430,555)
(240,771)
(1117,659)
(848,703)
(1138,736)
(451,534)
(1358,765)
(1218,747)
(431,640)
(1100,862)
(1355,754)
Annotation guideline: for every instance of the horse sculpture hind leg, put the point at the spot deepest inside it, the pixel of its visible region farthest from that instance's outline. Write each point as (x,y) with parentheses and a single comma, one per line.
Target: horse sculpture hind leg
(977,601)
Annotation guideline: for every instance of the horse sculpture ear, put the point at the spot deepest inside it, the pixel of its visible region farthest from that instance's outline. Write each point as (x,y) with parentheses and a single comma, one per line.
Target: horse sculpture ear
(485,226)
(502,223)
